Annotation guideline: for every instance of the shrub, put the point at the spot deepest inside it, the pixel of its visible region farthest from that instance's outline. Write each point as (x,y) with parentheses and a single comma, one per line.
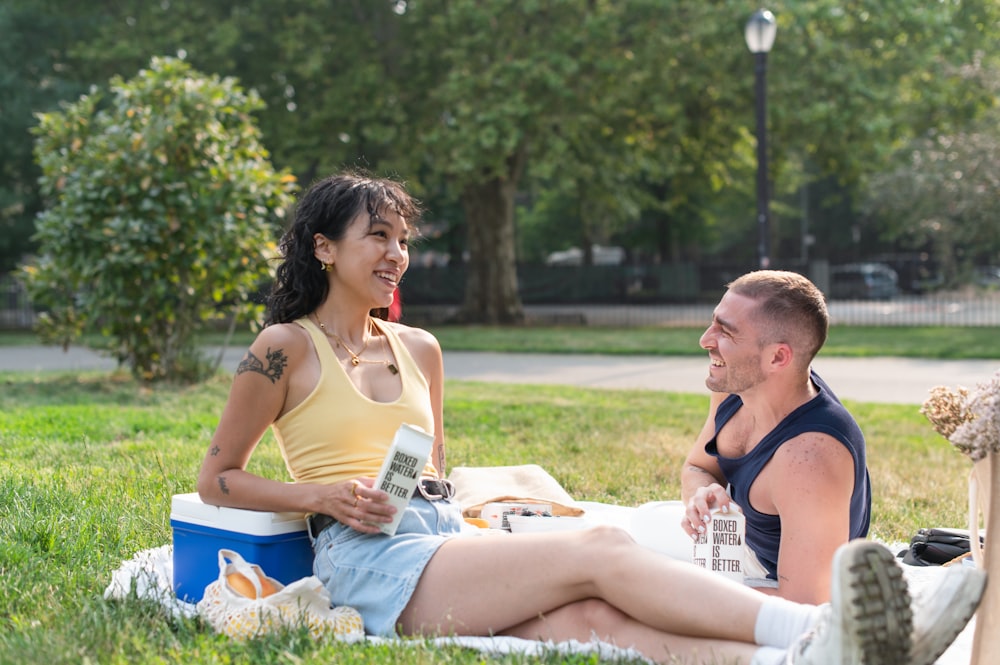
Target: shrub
(161,214)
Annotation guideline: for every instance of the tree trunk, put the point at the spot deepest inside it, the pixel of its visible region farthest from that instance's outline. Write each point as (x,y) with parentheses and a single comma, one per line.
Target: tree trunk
(491,292)
(986,639)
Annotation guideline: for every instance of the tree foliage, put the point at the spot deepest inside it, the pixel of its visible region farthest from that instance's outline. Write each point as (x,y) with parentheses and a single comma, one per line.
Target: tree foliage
(944,189)
(636,117)
(33,80)
(161,215)
(945,197)
(593,100)
(853,81)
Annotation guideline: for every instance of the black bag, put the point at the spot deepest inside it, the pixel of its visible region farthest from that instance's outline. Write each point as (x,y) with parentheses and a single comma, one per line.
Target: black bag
(934,547)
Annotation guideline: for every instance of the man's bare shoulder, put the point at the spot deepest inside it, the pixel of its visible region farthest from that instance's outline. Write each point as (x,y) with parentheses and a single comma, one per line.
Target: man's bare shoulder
(813,464)
(812,448)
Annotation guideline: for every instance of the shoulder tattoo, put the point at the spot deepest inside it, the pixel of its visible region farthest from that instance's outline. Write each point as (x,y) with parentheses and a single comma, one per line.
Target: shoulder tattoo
(276,362)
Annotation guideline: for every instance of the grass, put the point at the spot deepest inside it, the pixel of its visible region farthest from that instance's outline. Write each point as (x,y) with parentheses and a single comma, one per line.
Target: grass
(856,341)
(90,461)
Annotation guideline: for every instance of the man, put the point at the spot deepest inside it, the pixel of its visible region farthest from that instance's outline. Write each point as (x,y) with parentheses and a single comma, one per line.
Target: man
(791,455)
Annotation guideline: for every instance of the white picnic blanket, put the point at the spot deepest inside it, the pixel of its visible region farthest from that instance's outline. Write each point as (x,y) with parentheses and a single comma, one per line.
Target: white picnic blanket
(655,525)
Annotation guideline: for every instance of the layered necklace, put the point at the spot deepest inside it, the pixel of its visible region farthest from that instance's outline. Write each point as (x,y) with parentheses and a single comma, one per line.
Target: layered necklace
(356,358)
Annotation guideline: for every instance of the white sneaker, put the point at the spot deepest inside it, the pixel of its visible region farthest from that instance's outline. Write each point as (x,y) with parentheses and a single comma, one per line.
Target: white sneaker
(943,609)
(868,620)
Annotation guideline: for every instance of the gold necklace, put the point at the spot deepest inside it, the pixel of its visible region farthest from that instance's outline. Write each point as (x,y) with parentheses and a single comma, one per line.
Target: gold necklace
(356,358)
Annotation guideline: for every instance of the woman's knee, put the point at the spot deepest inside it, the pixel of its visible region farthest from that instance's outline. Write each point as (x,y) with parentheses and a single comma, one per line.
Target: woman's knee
(605,533)
(604,536)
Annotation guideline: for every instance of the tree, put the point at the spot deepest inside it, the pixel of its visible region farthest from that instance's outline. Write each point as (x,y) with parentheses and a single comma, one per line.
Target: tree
(944,190)
(567,90)
(945,196)
(638,113)
(325,69)
(161,215)
(34,80)
(851,82)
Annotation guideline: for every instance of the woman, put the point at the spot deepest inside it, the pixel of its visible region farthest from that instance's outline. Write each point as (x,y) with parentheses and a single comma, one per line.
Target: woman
(335,383)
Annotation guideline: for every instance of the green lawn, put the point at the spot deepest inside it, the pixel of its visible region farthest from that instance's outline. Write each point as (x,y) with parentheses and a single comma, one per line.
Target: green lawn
(925,342)
(90,461)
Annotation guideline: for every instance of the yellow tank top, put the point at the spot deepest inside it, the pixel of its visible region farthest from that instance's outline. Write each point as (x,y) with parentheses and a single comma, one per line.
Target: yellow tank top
(337,433)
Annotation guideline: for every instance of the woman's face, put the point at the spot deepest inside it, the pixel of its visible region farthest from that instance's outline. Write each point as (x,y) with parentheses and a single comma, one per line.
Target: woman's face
(370,259)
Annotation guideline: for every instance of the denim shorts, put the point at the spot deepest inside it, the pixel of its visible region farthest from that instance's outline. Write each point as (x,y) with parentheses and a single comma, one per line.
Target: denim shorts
(377,574)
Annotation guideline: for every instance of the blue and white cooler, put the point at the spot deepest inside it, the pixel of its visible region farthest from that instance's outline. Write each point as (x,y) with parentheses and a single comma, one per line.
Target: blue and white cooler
(277,542)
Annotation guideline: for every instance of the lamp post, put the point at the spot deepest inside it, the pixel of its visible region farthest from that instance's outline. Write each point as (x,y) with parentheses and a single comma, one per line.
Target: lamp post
(759,33)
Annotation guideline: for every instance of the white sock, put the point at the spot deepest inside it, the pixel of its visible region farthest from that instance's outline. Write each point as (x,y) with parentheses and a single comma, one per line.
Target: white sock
(769,656)
(780,622)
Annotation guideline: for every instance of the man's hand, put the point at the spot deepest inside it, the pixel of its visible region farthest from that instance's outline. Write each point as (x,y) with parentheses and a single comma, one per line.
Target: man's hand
(698,510)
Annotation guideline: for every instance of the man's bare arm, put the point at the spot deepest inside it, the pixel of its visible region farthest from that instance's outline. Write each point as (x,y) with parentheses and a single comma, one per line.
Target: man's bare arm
(702,482)
(809,484)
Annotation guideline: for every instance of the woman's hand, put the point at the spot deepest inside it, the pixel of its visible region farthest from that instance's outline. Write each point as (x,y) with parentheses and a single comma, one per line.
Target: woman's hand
(359,505)
(698,510)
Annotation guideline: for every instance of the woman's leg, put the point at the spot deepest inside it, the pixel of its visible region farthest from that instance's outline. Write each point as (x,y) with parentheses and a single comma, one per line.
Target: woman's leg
(489,584)
(588,619)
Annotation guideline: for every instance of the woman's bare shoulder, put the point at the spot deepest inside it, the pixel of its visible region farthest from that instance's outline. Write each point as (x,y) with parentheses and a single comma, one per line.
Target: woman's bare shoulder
(280,342)
(283,333)
(416,339)
(289,336)
(422,345)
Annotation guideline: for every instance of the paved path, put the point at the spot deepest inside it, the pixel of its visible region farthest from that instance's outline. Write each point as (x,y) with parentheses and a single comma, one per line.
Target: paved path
(887,380)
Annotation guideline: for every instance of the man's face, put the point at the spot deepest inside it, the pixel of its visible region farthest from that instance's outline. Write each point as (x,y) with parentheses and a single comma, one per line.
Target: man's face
(732,342)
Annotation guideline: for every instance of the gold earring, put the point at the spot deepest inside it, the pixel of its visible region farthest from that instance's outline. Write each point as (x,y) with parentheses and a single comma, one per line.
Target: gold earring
(326,267)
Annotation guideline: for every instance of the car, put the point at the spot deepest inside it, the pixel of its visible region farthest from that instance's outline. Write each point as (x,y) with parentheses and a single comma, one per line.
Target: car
(863,281)
(603,256)
(988,277)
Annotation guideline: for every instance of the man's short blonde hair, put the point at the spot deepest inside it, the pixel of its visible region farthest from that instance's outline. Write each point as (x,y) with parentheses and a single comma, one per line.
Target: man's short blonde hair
(790,309)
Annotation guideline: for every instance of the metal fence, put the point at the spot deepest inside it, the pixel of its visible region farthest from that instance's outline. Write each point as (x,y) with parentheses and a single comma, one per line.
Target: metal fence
(629,296)
(681,295)
(956,310)
(16,312)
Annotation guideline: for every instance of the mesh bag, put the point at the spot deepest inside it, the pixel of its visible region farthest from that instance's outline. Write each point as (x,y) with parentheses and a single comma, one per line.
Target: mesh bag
(304,602)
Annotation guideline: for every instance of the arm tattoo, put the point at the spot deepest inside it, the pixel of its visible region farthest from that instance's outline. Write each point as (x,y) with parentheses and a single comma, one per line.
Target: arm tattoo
(222,485)
(440,461)
(214,450)
(276,361)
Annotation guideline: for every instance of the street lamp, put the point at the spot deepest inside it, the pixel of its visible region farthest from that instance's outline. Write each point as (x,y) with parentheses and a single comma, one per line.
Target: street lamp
(759,33)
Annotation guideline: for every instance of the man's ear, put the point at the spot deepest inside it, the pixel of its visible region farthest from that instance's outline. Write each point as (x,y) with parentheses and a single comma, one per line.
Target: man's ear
(781,355)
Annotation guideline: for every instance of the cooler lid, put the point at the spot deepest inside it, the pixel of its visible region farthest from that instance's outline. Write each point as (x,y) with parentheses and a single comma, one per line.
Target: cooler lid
(189,508)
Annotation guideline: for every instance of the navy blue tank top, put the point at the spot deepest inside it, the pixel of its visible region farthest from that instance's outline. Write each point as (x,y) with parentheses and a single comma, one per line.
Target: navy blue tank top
(824,413)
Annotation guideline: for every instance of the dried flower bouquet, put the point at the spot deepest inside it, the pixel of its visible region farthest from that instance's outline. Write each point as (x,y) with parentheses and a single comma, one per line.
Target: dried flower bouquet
(970,421)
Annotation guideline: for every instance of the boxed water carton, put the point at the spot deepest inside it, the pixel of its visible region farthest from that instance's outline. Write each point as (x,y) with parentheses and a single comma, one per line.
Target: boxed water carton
(277,542)
(720,548)
(401,469)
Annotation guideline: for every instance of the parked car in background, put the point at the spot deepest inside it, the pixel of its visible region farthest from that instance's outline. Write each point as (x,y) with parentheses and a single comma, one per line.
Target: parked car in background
(988,277)
(603,256)
(863,281)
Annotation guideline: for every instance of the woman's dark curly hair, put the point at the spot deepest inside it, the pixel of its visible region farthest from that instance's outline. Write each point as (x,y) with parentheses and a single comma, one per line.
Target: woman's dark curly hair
(327,207)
